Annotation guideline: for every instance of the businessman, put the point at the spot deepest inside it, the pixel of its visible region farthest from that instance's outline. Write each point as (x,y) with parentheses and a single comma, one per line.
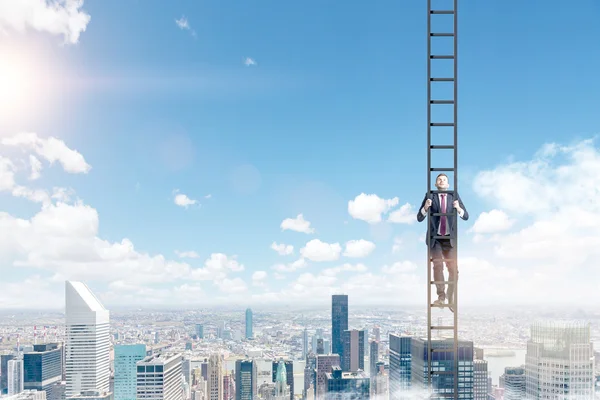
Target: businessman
(443,226)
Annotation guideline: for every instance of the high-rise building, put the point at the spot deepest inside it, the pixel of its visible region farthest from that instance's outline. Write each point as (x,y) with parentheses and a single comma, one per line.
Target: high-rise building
(159,377)
(559,361)
(15,376)
(245,379)
(42,368)
(249,334)
(347,385)
(304,344)
(442,361)
(282,387)
(377,333)
(289,370)
(513,383)
(4,359)
(126,358)
(88,341)
(215,377)
(324,365)
(353,353)
(200,331)
(320,346)
(339,322)
(400,366)
(480,380)
(373,358)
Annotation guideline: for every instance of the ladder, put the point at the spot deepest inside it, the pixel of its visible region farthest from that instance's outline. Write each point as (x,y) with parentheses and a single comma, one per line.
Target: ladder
(435,57)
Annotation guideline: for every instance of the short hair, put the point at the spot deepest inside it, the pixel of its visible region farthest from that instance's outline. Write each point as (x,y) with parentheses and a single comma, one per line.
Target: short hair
(441,174)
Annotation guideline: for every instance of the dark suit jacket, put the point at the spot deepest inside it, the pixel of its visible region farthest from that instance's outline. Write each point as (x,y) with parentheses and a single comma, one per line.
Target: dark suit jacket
(434,221)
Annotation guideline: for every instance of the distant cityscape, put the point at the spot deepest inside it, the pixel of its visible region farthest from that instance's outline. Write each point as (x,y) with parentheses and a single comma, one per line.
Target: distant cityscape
(338,352)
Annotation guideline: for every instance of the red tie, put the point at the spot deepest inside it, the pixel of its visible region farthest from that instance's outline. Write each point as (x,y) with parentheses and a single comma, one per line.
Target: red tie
(444,220)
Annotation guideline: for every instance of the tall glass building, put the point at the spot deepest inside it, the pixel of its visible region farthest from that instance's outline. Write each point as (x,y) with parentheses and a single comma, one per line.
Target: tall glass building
(249,324)
(443,361)
(126,357)
(42,368)
(400,365)
(339,323)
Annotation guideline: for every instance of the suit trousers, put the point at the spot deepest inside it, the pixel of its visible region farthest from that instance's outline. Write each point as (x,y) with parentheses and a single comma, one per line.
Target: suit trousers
(442,248)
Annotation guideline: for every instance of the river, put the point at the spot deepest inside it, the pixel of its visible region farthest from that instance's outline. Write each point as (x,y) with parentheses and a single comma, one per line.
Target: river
(496,365)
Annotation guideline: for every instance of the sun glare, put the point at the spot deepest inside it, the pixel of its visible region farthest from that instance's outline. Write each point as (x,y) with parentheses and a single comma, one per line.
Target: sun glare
(22,86)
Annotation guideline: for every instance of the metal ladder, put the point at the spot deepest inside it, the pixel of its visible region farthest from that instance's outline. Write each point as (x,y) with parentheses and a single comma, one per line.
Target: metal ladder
(433,145)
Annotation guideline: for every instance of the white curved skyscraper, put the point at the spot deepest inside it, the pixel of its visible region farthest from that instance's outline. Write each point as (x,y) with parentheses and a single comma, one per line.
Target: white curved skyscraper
(88,341)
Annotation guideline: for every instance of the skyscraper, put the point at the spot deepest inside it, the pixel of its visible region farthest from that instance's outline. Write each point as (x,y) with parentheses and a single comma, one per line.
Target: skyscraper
(400,365)
(249,324)
(480,380)
(353,354)
(339,322)
(282,388)
(324,365)
(200,331)
(15,376)
(215,377)
(159,377)
(42,368)
(347,385)
(126,358)
(559,352)
(374,358)
(513,383)
(4,359)
(304,344)
(88,341)
(289,370)
(245,379)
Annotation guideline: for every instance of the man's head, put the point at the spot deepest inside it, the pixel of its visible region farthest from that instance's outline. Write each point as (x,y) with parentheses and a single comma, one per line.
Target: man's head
(441,182)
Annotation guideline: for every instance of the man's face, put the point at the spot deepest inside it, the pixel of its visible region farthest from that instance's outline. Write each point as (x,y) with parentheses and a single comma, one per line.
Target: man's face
(441,182)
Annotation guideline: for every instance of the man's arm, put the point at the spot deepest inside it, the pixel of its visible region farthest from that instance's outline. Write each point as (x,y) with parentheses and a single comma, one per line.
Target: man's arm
(464,214)
(421,214)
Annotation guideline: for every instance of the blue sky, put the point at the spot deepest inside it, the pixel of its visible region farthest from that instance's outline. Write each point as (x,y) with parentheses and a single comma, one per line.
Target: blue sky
(333,107)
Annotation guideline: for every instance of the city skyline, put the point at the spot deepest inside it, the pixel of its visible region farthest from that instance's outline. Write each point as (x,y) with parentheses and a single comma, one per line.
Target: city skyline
(234,164)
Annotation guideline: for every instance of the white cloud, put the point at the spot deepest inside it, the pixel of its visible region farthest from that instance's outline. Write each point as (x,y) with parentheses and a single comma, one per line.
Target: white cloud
(359,248)
(249,62)
(298,224)
(183,200)
(344,268)
(36,167)
(398,242)
(492,222)
(62,17)
(235,285)
(294,266)
(399,267)
(315,250)
(370,207)
(404,215)
(184,24)
(51,149)
(258,278)
(187,254)
(282,249)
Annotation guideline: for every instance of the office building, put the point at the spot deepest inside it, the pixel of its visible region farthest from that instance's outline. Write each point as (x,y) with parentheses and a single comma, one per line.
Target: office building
(480,380)
(88,341)
(347,385)
(339,322)
(400,366)
(15,376)
(42,367)
(215,377)
(249,333)
(324,365)
(353,353)
(289,370)
(200,331)
(559,361)
(245,379)
(513,382)
(126,359)
(4,359)
(159,377)
(442,361)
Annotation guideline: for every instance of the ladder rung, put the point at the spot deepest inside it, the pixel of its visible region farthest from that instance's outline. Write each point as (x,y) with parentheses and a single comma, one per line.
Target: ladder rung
(442,305)
(443,214)
(440,282)
(442,327)
(442,124)
(443,237)
(443,350)
(441,102)
(446,57)
(441,146)
(442,11)
(441,79)
(445,34)
(442,169)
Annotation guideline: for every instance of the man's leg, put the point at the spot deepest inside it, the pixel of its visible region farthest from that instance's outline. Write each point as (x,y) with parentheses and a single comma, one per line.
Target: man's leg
(438,268)
(450,258)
